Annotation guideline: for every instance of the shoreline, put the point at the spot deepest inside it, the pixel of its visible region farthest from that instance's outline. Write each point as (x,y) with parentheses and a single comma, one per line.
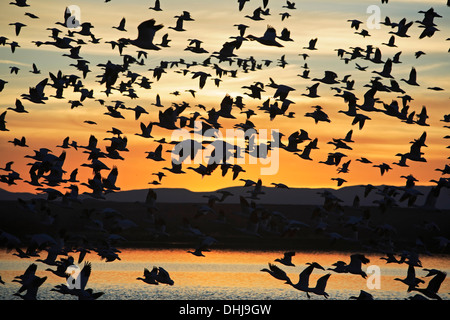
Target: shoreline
(373,233)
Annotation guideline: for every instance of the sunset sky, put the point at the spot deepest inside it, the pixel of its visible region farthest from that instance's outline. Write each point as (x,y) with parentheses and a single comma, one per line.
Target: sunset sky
(46,125)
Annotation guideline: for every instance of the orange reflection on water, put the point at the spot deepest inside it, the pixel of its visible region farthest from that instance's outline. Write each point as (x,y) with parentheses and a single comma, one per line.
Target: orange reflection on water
(228,268)
(221,269)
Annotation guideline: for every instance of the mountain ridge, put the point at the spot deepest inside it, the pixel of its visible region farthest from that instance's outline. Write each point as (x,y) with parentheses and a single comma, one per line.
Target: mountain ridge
(272,195)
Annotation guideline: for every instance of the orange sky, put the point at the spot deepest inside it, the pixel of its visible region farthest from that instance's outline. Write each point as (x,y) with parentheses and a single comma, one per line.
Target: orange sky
(46,125)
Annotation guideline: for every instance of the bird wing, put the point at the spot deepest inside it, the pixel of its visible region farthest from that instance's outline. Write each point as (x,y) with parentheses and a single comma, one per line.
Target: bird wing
(436,282)
(31,270)
(270,33)
(84,274)
(303,278)
(322,282)
(147,30)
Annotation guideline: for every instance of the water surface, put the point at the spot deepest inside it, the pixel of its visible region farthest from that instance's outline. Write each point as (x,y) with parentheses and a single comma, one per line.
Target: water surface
(221,274)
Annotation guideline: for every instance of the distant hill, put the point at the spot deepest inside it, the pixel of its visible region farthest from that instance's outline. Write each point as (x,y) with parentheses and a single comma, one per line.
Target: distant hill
(301,196)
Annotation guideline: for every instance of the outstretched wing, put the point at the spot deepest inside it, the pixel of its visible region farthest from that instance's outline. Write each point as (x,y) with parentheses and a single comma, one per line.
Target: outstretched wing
(147,30)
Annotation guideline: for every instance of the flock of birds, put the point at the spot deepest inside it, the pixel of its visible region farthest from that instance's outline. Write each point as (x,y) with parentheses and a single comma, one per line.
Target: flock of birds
(355,267)
(47,170)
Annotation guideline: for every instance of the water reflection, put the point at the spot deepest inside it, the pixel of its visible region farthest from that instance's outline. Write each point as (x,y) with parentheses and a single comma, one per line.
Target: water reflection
(221,274)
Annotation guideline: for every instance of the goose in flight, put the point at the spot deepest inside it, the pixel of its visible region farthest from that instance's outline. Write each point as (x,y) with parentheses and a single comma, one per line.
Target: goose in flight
(355,23)
(19,142)
(422,117)
(19,107)
(18,26)
(202,76)
(318,115)
(256,16)
(242,4)
(329,78)
(303,282)
(195,46)
(20,3)
(340,181)
(36,94)
(268,39)
(203,246)
(305,153)
(360,119)
(176,168)
(312,91)
(146,130)
(2,84)
(35,70)
(31,288)
(158,102)
(312,44)
(412,78)
(179,24)
(354,267)
(157,6)
(391,42)
(30,283)
(138,111)
(121,26)
(186,15)
(384,167)
(287,259)
(277,273)
(433,285)
(411,281)
(155,155)
(387,68)
(146,34)
(289,5)
(402,28)
(156,276)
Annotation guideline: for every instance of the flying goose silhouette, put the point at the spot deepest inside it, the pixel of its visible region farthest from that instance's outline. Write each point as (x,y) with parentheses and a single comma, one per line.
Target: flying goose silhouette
(19,107)
(289,5)
(303,282)
(433,285)
(277,273)
(412,78)
(155,155)
(157,6)
(20,3)
(146,34)
(179,24)
(329,78)
(121,26)
(355,23)
(268,39)
(312,91)
(287,258)
(391,42)
(312,44)
(18,26)
(354,267)
(411,281)
(256,14)
(386,72)
(36,94)
(402,28)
